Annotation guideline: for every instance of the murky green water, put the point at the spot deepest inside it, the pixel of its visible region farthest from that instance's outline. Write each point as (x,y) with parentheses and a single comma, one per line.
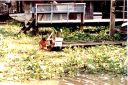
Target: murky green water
(79,80)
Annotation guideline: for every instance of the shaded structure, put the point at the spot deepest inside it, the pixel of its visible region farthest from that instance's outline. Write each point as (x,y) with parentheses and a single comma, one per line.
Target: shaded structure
(90,11)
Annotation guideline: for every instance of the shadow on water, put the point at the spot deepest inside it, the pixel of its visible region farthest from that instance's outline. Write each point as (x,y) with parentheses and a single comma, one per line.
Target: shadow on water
(82,79)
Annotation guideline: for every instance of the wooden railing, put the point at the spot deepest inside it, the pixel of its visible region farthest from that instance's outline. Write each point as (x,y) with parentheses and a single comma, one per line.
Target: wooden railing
(63,12)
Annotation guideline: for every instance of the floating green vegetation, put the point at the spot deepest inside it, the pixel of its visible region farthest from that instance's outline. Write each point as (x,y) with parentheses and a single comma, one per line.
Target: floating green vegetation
(30,64)
(21,58)
(90,34)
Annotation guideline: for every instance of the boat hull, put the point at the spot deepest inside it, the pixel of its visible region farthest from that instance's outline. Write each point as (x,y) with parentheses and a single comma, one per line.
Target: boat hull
(21,17)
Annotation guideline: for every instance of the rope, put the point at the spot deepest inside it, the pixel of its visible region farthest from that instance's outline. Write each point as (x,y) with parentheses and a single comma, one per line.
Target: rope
(50,36)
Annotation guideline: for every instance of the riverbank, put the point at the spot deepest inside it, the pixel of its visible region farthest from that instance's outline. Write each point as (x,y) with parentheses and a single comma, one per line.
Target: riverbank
(83,79)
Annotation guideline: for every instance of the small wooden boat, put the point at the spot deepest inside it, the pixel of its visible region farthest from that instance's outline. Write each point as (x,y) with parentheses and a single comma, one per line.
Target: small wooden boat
(21,17)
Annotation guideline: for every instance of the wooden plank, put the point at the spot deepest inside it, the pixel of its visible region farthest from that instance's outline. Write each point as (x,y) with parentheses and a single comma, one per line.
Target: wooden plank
(3,23)
(85,21)
(86,44)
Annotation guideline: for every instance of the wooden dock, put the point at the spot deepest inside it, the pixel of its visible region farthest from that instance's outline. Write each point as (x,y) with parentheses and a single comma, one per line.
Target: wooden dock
(21,18)
(63,13)
(90,22)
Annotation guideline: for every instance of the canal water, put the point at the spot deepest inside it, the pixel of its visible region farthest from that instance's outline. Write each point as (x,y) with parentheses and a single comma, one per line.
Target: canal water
(102,79)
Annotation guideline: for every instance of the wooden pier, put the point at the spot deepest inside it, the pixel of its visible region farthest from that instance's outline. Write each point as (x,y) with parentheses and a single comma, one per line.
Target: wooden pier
(63,13)
(68,13)
(21,17)
(85,21)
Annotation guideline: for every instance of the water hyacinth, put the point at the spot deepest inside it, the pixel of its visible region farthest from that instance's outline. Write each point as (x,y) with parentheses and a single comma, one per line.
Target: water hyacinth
(25,61)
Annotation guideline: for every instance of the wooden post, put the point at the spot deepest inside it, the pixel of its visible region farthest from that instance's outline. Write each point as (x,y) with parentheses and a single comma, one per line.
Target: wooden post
(17,3)
(33,9)
(21,7)
(81,23)
(89,10)
(112,18)
(123,10)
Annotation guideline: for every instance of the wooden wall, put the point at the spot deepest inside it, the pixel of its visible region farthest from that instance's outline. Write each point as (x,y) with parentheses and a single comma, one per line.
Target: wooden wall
(91,6)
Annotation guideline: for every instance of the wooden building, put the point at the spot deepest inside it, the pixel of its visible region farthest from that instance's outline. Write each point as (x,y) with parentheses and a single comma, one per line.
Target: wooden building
(91,9)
